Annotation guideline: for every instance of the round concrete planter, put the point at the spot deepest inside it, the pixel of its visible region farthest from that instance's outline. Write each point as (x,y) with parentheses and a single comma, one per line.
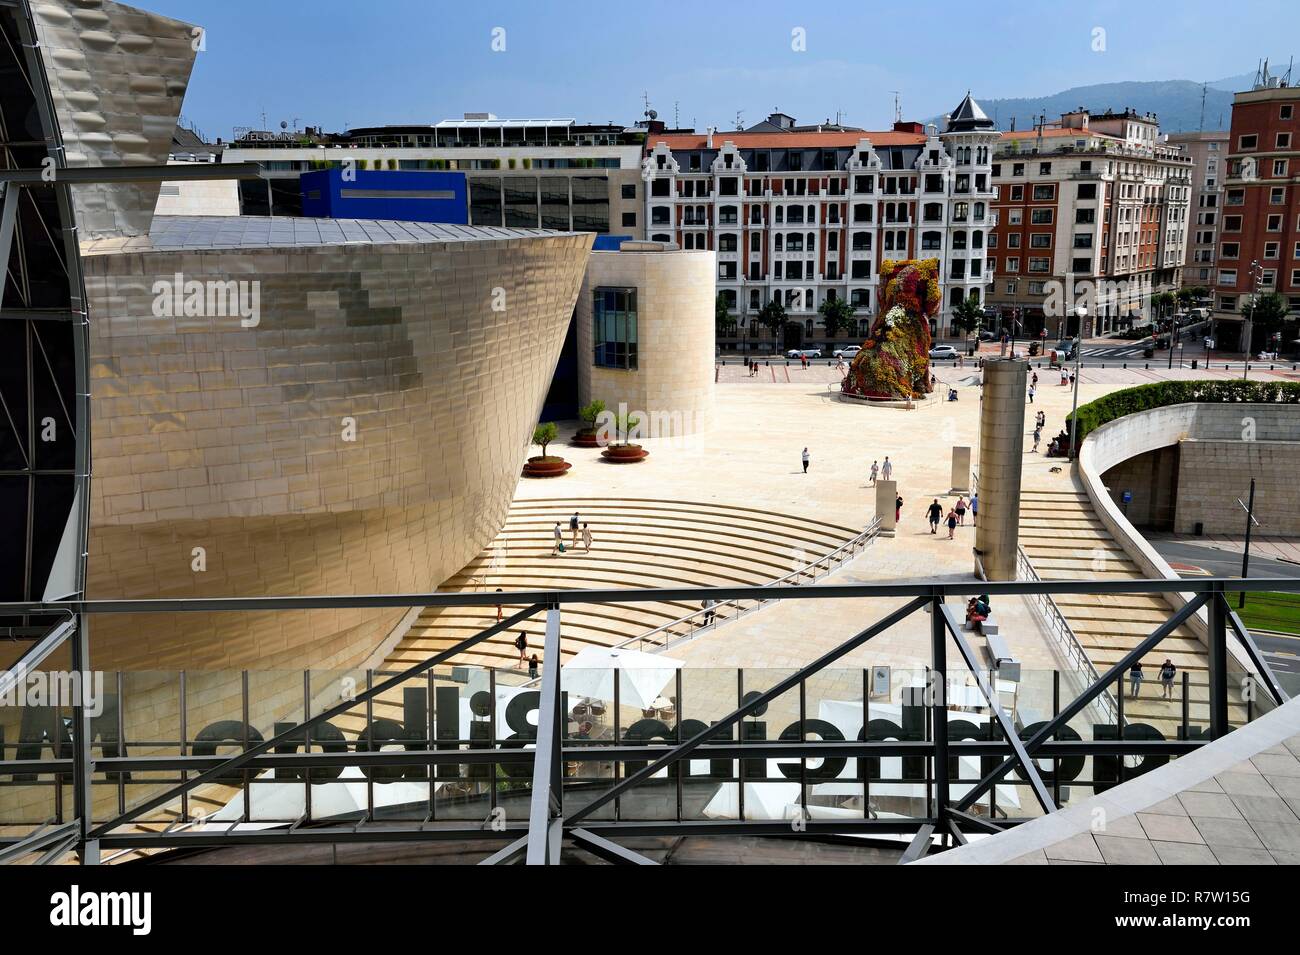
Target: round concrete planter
(544,467)
(586,438)
(624,453)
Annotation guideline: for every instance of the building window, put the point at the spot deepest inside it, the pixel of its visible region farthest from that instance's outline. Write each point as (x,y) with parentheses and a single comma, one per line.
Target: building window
(1040,240)
(629,191)
(1044,192)
(614,327)
(629,220)
(1013,240)
(1040,216)
(1013,264)
(1283,140)
(1277,195)
(1038,264)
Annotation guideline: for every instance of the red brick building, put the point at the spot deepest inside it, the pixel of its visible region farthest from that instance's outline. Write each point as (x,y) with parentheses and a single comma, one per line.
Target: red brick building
(1259,238)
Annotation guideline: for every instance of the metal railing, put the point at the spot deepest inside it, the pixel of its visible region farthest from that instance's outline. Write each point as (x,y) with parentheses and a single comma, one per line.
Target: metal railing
(1062,633)
(698,622)
(656,778)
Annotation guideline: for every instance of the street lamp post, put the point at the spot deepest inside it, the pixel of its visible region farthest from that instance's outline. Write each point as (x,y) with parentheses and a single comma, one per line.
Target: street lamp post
(1081,312)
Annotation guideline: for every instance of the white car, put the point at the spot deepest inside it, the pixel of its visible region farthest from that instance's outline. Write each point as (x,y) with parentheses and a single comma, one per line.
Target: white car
(804,353)
(847,352)
(943,351)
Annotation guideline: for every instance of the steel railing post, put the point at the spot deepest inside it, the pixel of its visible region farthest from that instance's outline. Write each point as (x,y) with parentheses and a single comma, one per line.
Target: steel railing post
(1218,663)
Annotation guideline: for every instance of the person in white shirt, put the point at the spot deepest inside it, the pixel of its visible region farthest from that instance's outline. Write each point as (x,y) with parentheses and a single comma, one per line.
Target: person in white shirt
(806,459)
(887,469)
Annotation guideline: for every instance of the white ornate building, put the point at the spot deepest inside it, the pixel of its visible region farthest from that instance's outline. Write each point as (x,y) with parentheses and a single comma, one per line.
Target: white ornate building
(806,215)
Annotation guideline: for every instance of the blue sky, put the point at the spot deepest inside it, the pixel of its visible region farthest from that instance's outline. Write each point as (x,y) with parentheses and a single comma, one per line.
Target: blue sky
(338,64)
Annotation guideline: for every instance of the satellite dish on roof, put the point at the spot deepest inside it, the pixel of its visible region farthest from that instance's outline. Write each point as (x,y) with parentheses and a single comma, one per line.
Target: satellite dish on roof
(283,124)
(653,114)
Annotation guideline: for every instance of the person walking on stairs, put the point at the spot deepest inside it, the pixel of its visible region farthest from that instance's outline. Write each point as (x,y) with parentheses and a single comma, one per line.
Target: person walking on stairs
(532,667)
(586,538)
(573,526)
(935,513)
(498,608)
(559,540)
(521,644)
(1167,673)
(1135,679)
(806,459)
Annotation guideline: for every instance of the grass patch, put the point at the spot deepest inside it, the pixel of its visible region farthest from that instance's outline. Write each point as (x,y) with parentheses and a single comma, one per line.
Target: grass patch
(1268,610)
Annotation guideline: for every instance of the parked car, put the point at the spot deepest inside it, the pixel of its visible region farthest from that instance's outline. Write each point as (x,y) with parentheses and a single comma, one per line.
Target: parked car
(943,351)
(1065,349)
(988,335)
(804,353)
(848,351)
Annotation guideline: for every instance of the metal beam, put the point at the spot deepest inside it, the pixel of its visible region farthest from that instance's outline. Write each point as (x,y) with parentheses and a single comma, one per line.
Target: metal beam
(919,845)
(939,706)
(1008,728)
(1217,665)
(36,654)
(1086,697)
(8,217)
(914,588)
(1260,662)
(90,175)
(548,788)
(602,848)
(38,840)
(760,699)
(300,731)
(508,853)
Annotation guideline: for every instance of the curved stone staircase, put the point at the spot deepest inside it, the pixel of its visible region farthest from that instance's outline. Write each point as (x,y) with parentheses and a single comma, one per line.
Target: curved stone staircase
(1064,539)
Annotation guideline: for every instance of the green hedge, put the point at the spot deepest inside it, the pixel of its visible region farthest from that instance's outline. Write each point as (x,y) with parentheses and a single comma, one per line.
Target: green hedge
(1129,401)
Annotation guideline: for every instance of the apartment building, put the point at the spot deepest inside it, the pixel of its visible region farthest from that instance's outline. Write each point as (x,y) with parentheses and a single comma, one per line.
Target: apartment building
(522,173)
(1208,150)
(1093,202)
(804,215)
(1259,239)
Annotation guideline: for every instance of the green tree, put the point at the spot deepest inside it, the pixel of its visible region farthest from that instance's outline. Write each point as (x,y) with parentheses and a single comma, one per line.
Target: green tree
(589,413)
(836,314)
(1184,296)
(1266,316)
(967,316)
(544,434)
(772,316)
(625,424)
(722,314)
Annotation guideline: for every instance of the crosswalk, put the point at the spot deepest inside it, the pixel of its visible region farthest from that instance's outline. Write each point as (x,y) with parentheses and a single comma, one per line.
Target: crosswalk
(1111,352)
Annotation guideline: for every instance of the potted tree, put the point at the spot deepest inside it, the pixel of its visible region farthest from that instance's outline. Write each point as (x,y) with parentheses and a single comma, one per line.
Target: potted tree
(545,465)
(589,437)
(623,452)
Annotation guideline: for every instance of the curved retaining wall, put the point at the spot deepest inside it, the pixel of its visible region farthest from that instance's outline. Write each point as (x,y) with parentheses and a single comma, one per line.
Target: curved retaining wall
(1118,441)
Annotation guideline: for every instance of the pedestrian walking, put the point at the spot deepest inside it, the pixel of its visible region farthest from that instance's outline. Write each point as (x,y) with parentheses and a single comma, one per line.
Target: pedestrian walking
(898,508)
(521,644)
(559,540)
(498,608)
(573,526)
(1065,376)
(707,605)
(974,509)
(1041,419)
(806,459)
(1033,381)
(1167,673)
(952,523)
(1072,379)
(532,667)
(887,469)
(875,470)
(1135,679)
(961,511)
(586,538)
(1031,394)
(935,513)
(1038,434)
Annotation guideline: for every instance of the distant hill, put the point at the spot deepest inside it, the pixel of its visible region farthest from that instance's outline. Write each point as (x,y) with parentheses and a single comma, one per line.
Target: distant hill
(1176,103)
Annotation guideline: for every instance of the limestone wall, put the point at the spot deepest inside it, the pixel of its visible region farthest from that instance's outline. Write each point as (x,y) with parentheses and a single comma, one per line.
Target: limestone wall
(673,380)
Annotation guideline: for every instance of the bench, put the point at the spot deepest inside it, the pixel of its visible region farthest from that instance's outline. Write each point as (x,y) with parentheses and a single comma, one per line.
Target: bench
(1000,654)
(989,626)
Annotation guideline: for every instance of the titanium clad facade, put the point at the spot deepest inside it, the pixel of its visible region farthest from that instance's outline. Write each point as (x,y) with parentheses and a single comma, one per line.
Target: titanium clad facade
(365,435)
(117,76)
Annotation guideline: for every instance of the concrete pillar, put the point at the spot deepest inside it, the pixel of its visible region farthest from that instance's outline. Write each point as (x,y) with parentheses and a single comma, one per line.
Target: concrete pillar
(1002,438)
(886,494)
(960,470)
